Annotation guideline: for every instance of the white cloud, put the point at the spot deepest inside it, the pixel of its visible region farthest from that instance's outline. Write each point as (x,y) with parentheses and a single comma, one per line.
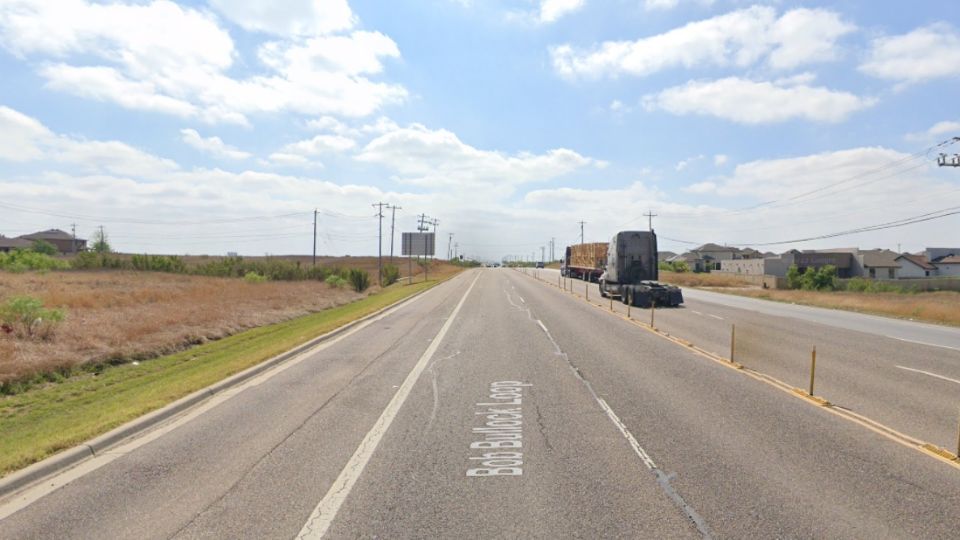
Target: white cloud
(683,164)
(211,145)
(720,160)
(701,188)
(20,136)
(162,57)
(739,38)
(936,131)
(926,53)
(24,139)
(438,158)
(664,5)
(552,10)
(750,102)
(294,17)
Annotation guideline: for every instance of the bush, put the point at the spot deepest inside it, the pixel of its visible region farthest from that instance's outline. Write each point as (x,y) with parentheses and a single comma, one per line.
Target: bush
(22,260)
(859,284)
(25,317)
(158,263)
(44,247)
(253,277)
(390,274)
(359,279)
(335,281)
(793,277)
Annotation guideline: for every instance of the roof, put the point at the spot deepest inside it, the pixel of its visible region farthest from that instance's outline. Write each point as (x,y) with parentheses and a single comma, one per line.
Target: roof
(14,242)
(918,260)
(953,259)
(880,258)
(715,247)
(51,234)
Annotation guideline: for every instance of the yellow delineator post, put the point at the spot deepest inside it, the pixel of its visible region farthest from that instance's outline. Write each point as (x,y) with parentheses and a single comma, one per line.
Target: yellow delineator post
(628,310)
(586,290)
(733,341)
(958,442)
(611,302)
(813,368)
(653,308)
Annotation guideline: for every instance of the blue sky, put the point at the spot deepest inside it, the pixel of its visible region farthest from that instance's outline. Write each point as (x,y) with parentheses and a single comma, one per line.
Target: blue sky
(208,127)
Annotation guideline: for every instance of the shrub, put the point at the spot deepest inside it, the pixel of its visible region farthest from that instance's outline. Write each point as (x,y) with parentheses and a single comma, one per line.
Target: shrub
(21,260)
(44,247)
(359,279)
(793,277)
(25,317)
(158,263)
(253,277)
(335,281)
(390,274)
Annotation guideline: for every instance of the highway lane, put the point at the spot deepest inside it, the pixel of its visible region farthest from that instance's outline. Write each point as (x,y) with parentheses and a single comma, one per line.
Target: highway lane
(909,331)
(619,432)
(911,387)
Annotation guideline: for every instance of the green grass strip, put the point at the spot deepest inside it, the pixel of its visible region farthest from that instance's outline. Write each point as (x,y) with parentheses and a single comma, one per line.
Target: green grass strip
(40,422)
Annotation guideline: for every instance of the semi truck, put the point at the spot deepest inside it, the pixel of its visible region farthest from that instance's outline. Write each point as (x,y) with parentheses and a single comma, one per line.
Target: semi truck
(625,268)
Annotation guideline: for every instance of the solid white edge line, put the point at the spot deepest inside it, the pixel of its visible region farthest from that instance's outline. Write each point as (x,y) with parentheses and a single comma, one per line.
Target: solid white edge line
(930,374)
(326,510)
(905,340)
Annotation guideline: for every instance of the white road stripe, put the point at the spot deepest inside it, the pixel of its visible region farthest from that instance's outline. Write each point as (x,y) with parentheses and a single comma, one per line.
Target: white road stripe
(930,374)
(714,316)
(697,312)
(521,299)
(927,344)
(644,456)
(326,511)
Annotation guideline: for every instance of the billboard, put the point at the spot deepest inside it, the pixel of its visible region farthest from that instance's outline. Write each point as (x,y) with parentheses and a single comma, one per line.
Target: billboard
(418,244)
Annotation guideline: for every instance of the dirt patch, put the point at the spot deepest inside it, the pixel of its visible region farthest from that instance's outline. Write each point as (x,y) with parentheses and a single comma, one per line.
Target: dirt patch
(692,279)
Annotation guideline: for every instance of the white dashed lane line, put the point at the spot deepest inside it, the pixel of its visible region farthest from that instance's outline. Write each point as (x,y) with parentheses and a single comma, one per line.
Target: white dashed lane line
(934,375)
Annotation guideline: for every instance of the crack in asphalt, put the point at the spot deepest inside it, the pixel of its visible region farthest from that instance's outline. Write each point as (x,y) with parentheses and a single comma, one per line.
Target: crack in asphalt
(436,392)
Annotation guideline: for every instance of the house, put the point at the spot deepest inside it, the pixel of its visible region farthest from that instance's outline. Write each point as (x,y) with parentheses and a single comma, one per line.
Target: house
(63,241)
(948,266)
(915,266)
(879,264)
(9,244)
(663,256)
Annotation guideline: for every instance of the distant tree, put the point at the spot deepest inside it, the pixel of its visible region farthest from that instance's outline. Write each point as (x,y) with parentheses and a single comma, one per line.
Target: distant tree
(44,247)
(100,243)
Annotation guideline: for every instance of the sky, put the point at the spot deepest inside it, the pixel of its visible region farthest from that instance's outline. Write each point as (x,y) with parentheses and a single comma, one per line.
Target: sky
(220,126)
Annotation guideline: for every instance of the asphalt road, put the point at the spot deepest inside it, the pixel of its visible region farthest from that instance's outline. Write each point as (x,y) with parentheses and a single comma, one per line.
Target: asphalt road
(903,374)
(497,406)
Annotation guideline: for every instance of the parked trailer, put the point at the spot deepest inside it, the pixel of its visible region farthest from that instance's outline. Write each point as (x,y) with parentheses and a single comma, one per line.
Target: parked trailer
(584,261)
(631,272)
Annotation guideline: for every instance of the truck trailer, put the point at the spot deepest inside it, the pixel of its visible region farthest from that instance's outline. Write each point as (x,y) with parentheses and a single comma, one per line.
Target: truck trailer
(631,272)
(584,261)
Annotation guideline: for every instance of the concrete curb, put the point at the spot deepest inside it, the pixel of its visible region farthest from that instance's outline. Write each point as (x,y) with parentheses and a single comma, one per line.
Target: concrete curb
(68,458)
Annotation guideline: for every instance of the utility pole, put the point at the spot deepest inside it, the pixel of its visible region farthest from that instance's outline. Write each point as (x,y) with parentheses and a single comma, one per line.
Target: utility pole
(581,230)
(393,220)
(379,207)
(424,220)
(542,255)
(650,215)
(449,245)
(553,245)
(73,244)
(314,236)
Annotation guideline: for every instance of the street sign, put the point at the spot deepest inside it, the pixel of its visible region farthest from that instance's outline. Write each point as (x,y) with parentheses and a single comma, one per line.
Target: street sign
(418,244)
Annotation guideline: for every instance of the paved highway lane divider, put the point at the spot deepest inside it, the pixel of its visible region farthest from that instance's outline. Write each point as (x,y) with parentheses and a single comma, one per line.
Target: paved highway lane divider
(752,346)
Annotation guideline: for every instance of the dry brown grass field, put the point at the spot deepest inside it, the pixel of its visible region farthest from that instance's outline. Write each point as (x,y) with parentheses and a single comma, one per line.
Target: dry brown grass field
(941,307)
(130,315)
(691,279)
